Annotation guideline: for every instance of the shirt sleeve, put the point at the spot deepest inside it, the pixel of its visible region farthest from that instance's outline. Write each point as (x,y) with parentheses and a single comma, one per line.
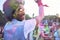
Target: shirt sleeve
(29,26)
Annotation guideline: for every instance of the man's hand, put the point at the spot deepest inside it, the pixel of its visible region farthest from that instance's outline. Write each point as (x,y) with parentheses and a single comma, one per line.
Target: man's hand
(46,5)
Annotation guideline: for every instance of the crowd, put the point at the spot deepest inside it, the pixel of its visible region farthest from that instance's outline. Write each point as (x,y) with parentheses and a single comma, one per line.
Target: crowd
(49,32)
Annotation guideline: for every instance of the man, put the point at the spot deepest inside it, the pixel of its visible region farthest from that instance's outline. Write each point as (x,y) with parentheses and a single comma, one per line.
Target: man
(18,28)
(57,32)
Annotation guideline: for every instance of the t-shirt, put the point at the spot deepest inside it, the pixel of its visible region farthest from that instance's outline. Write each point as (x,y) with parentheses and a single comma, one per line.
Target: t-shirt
(57,35)
(18,30)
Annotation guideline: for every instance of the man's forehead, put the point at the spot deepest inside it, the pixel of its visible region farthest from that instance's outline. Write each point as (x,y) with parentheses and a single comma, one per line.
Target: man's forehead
(21,9)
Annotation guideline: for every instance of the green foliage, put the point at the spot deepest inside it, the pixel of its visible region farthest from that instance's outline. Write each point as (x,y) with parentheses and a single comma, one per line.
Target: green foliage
(27,17)
(50,17)
(0,12)
(2,19)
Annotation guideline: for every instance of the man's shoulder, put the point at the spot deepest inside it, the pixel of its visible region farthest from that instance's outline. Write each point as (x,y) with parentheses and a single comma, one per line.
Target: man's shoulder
(30,20)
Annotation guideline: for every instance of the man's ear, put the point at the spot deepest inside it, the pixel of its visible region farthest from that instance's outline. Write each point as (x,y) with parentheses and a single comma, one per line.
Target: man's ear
(15,15)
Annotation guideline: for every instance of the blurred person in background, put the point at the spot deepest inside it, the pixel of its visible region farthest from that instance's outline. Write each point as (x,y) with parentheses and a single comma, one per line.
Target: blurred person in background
(57,32)
(53,29)
(46,32)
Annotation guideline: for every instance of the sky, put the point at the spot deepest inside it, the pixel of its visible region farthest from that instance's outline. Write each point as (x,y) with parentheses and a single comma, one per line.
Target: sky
(32,7)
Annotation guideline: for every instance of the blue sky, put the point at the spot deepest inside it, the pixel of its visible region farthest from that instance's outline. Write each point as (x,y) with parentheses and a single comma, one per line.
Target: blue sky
(31,7)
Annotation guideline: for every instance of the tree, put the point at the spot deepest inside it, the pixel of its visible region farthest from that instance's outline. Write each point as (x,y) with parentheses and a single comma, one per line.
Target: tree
(2,19)
(27,17)
(50,17)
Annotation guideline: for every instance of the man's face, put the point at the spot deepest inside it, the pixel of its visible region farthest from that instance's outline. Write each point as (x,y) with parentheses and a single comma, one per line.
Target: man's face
(21,14)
